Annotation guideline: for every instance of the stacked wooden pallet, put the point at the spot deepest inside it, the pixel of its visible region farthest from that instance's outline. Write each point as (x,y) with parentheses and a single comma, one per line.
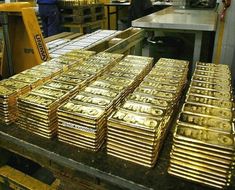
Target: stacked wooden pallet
(82,16)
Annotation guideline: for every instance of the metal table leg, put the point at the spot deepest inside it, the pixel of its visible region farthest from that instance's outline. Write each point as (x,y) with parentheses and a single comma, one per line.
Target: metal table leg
(197,47)
(138,48)
(117,12)
(4,20)
(108,8)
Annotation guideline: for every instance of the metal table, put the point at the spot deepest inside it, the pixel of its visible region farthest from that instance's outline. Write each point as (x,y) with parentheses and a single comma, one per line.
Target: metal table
(181,20)
(119,6)
(68,163)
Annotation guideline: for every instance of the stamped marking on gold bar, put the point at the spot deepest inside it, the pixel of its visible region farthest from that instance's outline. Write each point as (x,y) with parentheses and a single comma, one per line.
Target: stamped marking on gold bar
(37,99)
(206,121)
(210,93)
(89,98)
(206,110)
(135,120)
(206,136)
(88,111)
(148,99)
(157,93)
(102,92)
(209,101)
(205,85)
(211,80)
(138,107)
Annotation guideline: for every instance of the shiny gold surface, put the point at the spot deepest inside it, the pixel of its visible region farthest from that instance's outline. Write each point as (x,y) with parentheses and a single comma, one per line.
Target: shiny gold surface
(91,99)
(156,93)
(204,85)
(136,130)
(206,137)
(135,120)
(82,110)
(89,108)
(203,149)
(108,85)
(225,95)
(208,110)
(209,122)
(6,91)
(101,92)
(148,99)
(207,150)
(196,178)
(210,159)
(193,99)
(211,80)
(212,74)
(142,108)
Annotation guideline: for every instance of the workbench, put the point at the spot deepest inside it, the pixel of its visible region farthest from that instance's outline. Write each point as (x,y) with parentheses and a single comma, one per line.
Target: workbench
(181,21)
(157,5)
(73,165)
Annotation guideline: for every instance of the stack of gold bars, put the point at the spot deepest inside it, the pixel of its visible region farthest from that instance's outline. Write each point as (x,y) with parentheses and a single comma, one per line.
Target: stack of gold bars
(38,109)
(137,129)
(9,91)
(82,120)
(23,82)
(69,59)
(203,147)
(47,70)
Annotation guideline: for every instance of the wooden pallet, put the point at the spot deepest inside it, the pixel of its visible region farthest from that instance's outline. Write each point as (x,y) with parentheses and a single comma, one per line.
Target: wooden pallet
(83,10)
(86,27)
(76,18)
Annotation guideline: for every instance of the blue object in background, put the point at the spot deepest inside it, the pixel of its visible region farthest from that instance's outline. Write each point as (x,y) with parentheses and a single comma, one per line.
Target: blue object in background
(49,13)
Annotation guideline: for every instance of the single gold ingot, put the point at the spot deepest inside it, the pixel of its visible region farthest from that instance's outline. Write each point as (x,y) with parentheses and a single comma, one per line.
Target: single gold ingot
(157,93)
(148,99)
(212,80)
(135,120)
(213,74)
(91,99)
(141,108)
(101,92)
(195,178)
(61,85)
(198,173)
(201,165)
(206,137)
(210,93)
(207,150)
(205,122)
(209,101)
(199,168)
(210,159)
(105,84)
(208,110)
(204,85)
(83,111)
(37,100)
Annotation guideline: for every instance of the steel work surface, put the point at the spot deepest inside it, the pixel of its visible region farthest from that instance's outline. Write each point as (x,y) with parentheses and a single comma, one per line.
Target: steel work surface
(128,3)
(57,156)
(180,19)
